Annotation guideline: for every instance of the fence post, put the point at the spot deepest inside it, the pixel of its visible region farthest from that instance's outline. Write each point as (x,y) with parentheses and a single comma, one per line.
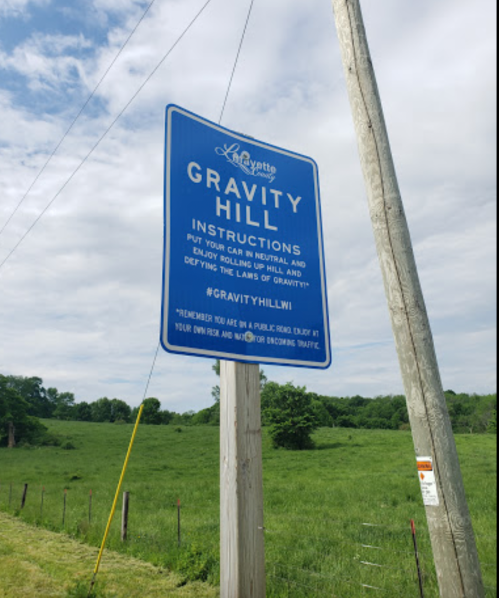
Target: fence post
(90,507)
(179,537)
(124,516)
(41,503)
(414,541)
(23,499)
(64,507)
(10,494)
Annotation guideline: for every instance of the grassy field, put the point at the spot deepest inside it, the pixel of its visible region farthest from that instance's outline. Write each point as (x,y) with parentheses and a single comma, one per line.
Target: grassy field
(323,508)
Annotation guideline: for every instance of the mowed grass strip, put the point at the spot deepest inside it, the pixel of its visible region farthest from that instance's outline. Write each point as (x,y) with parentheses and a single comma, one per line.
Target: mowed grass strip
(37,563)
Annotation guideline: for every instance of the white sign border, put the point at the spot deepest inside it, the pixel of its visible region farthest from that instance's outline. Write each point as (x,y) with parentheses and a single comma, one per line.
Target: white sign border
(170,110)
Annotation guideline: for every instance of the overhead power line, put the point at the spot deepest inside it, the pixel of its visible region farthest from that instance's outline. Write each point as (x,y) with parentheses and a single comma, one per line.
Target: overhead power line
(98,142)
(82,109)
(236,61)
(151,372)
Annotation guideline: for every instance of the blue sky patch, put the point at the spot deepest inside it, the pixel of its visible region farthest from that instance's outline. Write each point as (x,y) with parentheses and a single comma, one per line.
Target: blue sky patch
(57,19)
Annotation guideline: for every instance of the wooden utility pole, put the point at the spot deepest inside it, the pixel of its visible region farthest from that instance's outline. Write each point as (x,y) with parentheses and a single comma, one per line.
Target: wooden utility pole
(454,548)
(242,557)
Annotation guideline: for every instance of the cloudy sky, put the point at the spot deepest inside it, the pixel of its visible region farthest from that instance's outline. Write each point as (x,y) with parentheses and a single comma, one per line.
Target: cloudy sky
(80,295)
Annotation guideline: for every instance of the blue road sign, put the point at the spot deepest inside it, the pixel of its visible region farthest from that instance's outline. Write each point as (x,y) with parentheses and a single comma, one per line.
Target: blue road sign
(244,276)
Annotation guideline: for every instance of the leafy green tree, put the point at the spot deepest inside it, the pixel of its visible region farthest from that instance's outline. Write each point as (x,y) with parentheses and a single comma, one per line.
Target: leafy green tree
(52,395)
(210,415)
(215,412)
(64,406)
(492,425)
(166,416)
(322,415)
(32,391)
(183,419)
(120,411)
(83,412)
(101,410)
(335,406)
(346,421)
(202,417)
(290,414)
(215,393)
(16,425)
(357,402)
(151,413)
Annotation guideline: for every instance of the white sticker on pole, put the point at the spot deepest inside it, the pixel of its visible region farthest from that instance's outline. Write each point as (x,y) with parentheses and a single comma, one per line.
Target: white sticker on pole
(427,480)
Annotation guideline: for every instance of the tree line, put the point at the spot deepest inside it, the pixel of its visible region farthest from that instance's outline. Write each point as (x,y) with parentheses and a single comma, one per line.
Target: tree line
(24,401)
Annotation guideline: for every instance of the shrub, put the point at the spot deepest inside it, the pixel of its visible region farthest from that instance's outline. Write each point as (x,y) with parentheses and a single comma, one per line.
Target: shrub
(290,414)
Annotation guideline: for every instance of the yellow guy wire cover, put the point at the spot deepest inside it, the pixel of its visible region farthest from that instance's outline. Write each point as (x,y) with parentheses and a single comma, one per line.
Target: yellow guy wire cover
(113,508)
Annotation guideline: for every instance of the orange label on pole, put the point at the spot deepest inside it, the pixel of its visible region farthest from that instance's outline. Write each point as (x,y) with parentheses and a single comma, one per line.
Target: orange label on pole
(425,466)
(428,481)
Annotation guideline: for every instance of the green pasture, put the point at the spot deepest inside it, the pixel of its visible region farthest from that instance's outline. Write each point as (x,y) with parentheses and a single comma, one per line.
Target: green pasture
(337,517)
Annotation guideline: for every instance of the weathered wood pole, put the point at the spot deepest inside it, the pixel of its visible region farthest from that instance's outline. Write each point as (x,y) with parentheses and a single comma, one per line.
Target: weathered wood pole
(451,532)
(242,556)
(124,516)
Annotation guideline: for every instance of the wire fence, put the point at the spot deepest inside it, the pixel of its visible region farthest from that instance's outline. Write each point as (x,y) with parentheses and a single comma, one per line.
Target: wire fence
(305,556)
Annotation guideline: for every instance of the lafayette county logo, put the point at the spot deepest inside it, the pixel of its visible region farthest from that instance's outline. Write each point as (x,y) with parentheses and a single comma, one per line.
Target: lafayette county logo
(243,161)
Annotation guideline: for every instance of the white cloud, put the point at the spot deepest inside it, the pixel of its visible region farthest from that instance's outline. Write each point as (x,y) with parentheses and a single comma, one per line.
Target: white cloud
(44,61)
(80,299)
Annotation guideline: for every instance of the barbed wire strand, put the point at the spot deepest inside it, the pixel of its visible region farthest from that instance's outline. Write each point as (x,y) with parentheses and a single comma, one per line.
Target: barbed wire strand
(339,577)
(310,572)
(345,522)
(340,540)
